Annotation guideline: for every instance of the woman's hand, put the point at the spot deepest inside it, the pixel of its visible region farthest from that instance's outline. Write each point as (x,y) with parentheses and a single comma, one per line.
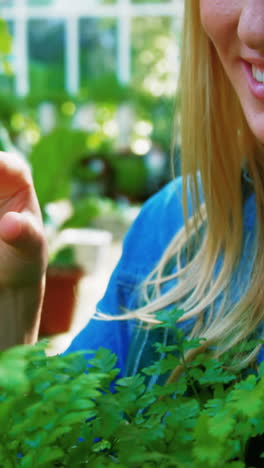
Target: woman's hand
(23,254)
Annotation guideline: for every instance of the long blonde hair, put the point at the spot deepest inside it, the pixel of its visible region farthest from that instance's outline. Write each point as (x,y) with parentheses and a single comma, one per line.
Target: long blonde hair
(215,143)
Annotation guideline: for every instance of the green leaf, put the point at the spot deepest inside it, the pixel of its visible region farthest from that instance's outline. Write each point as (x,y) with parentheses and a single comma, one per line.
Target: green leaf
(52,161)
(248,397)
(222,425)
(102,445)
(261,369)
(162,366)
(76,417)
(104,360)
(207,448)
(161,348)
(47,456)
(58,431)
(237,464)
(168,318)
(40,458)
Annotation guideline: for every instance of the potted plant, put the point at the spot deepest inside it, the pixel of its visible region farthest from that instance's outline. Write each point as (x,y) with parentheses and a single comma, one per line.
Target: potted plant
(77,252)
(62,280)
(52,161)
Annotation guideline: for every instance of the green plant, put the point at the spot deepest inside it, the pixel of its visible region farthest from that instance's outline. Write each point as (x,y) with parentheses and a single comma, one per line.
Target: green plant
(130,176)
(88,208)
(63,258)
(52,161)
(57,412)
(20,117)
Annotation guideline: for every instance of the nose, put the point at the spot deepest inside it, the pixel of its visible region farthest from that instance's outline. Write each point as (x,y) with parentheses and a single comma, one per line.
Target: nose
(251,24)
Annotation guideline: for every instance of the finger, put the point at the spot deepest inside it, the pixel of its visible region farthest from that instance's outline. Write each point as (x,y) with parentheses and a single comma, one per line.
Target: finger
(22,232)
(13,169)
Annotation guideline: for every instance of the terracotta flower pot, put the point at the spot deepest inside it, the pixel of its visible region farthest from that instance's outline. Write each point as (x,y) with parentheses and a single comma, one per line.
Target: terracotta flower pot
(59,300)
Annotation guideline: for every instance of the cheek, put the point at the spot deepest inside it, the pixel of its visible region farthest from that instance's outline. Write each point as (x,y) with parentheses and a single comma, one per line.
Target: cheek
(219,19)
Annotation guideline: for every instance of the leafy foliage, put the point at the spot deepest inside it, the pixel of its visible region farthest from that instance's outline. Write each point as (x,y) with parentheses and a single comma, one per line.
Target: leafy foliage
(57,412)
(52,160)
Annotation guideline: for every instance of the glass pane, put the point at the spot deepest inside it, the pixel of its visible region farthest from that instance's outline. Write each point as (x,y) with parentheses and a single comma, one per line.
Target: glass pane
(46,44)
(98,48)
(39,2)
(6,3)
(155,51)
(67,3)
(151,1)
(7,80)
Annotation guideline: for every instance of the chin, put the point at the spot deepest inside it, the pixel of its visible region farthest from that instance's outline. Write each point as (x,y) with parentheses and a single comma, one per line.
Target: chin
(258,132)
(255,122)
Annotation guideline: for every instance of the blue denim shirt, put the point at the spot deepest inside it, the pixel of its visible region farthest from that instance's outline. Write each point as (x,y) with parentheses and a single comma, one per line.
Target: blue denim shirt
(159,220)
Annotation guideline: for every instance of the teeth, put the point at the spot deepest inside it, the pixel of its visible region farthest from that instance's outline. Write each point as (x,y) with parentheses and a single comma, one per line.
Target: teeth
(258,74)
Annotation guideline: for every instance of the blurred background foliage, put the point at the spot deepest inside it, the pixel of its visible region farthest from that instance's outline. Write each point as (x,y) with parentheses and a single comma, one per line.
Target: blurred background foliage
(109,140)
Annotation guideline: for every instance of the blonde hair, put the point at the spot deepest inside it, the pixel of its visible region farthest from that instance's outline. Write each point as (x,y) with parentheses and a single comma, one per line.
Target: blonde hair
(215,143)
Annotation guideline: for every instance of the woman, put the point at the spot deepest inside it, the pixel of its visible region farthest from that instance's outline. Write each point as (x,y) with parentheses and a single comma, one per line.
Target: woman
(199,242)
(212,266)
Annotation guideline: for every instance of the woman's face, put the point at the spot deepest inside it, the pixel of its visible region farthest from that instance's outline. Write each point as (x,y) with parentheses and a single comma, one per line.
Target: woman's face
(236,28)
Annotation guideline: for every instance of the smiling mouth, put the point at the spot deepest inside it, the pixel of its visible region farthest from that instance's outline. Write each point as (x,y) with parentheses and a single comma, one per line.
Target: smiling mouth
(254,73)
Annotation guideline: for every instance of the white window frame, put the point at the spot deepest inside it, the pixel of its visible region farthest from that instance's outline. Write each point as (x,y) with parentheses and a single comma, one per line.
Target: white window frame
(71,11)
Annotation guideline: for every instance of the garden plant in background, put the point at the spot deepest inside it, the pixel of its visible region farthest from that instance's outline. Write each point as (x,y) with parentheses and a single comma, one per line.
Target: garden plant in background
(144,142)
(52,160)
(57,412)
